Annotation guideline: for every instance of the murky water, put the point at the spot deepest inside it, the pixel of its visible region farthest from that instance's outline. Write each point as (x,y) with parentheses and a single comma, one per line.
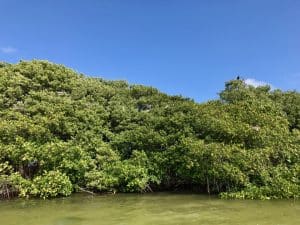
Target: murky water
(154,209)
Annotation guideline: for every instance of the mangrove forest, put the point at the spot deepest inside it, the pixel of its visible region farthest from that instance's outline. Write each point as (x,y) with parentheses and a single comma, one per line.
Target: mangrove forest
(63,132)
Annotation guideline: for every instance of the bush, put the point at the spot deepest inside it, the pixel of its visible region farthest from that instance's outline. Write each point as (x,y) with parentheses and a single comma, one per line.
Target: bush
(51,184)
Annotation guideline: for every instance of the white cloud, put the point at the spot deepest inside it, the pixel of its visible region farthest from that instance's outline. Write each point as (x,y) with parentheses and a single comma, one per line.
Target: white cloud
(256,83)
(8,50)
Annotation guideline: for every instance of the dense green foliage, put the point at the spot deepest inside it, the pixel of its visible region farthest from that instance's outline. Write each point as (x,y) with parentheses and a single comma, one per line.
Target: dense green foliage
(61,132)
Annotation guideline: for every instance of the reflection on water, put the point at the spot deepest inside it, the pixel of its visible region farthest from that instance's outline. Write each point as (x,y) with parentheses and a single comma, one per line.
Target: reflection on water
(158,209)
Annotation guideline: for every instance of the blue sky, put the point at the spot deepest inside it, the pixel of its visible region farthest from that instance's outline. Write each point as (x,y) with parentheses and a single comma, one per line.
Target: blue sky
(180,47)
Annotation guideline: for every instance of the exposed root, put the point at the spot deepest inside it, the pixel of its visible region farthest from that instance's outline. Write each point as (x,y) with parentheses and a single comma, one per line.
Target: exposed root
(86,191)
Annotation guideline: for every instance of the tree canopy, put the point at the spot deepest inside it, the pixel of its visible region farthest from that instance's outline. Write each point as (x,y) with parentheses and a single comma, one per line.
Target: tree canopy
(62,132)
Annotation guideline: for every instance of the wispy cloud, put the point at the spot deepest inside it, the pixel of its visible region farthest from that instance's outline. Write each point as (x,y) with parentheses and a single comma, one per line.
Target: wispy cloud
(256,83)
(8,50)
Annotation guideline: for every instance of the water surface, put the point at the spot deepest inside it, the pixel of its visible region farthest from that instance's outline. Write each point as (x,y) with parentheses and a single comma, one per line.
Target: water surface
(154,209)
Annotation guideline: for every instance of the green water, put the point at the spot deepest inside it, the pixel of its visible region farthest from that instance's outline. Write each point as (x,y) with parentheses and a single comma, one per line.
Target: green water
(154,209)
